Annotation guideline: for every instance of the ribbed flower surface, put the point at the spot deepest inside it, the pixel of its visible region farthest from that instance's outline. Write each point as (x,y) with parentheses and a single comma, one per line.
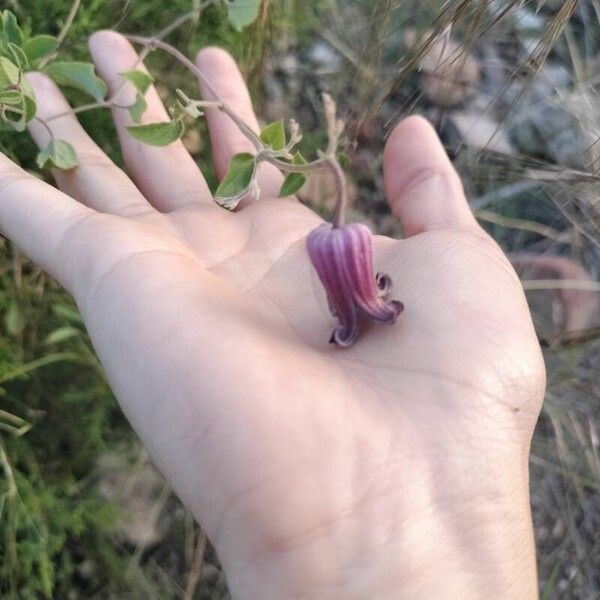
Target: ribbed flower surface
(343,258)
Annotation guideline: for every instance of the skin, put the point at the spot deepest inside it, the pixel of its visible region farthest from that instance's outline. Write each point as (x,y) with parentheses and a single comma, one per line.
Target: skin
(396,468)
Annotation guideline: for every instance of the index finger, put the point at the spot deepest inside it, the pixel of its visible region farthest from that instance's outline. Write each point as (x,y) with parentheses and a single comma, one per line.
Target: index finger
(38,218)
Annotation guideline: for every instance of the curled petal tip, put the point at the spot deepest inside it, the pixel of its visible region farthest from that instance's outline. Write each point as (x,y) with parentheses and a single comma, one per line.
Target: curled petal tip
(384,284)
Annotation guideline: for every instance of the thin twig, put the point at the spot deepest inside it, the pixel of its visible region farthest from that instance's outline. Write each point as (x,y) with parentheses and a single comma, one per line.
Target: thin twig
(70,18)
(151,43)
(63,32)
(8,471)
(10,497)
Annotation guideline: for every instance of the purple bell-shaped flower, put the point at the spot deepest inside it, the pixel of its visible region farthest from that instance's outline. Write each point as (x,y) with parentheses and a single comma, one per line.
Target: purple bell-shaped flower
(343,259)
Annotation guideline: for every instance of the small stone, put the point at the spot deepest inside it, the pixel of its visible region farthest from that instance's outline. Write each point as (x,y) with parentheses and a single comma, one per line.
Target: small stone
(450,75)
(289,64)
(527,20)
(559,311)
(325,59)
(480,131)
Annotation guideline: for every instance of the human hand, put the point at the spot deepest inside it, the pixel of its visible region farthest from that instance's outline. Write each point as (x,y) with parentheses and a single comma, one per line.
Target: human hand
(394,468)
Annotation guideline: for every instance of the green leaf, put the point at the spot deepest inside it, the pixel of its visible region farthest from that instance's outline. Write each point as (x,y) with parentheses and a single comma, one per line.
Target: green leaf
(18,95)
(17,55)
(9,72)
(61,334)
(293,181)
(8,96)
(59,154)
(39,46)
(291,184)
(68,313)
(13,319)
(242,13)
(180,110)
(22,107)
(137,109)
(239,176)
(158,134)
(79,75)
(273,135)
(140,79)
(11,32)
(29,103)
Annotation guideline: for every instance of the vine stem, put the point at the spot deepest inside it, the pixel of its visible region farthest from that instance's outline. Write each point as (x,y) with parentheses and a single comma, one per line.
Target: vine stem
(328,160)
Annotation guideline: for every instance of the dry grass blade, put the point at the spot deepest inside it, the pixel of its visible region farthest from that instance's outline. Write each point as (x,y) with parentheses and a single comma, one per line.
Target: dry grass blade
(196,568)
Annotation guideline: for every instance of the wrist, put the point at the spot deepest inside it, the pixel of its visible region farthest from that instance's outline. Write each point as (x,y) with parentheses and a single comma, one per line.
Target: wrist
(420,542)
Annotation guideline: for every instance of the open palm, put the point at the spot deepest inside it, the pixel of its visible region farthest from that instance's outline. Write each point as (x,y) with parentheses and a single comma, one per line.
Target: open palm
(303,462)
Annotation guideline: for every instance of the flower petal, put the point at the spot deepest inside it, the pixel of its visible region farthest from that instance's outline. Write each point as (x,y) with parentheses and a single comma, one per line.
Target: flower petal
(367,291)
(327,257)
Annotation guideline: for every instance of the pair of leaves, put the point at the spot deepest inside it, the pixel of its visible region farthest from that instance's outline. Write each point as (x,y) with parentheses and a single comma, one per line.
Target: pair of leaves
(141,82)
(153,134)
(242,13)
(242,168)
(241,174)
(273,135)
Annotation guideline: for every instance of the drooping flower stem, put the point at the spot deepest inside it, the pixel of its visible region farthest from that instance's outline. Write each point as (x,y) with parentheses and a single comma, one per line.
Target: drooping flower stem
(335,127)
(339,213)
